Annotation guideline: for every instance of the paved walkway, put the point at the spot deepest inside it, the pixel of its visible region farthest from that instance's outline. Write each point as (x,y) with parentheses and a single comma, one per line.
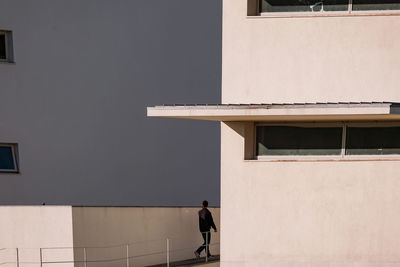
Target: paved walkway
(189,262)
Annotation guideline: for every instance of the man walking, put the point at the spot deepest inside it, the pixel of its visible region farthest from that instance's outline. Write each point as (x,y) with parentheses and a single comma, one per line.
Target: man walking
(205,224)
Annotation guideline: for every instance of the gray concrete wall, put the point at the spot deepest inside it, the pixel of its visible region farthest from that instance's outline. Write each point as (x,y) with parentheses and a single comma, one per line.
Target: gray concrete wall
(75,101)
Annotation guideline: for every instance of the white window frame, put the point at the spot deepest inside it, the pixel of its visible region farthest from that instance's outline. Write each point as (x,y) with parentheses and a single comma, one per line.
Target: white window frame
(348,12)
(14,150)
(341,157)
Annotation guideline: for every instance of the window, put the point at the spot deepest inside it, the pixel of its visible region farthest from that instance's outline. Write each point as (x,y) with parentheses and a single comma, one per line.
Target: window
(290,140)
(372,140)
(345,140)
(6,47)
(376,5)
(271,6)
(3,50)
(303,6)
(8,158)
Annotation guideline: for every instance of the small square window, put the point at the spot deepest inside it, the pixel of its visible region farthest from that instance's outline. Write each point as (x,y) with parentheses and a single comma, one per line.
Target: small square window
(6,47)
(8,158)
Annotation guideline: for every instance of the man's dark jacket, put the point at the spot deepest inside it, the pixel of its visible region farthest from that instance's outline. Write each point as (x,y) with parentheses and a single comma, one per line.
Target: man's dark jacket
(206,220)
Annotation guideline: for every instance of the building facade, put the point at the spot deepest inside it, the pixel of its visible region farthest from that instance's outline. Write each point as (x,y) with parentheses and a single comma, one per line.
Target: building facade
(81,167)
(309,117)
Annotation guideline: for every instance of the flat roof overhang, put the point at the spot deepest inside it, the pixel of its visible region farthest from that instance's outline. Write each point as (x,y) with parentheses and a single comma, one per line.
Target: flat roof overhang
(342,111)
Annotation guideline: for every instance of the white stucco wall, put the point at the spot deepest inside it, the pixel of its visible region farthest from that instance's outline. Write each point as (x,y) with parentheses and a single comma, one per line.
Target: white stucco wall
(331,213)
(286,60)
(30,228)
(307,213)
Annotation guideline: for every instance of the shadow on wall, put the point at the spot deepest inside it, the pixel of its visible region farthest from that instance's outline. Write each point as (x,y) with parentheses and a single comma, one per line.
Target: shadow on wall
(110,235)
(247,131)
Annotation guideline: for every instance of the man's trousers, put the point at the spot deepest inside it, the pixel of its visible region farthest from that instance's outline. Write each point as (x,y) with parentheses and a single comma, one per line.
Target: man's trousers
(207,239)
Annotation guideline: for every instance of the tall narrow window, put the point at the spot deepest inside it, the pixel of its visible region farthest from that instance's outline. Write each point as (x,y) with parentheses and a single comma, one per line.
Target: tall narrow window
(372,140)
(3,50)
(296,140)
(8,158)
(6,47)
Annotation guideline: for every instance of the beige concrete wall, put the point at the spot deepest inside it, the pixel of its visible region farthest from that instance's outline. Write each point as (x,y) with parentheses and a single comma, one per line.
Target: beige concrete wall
(30,228)
(68,233)
(307,213)
(145,229)
(309,59)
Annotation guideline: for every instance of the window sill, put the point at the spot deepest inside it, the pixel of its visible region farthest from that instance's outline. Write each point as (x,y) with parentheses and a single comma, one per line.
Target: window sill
(325,14)
(7,62)
(326,159)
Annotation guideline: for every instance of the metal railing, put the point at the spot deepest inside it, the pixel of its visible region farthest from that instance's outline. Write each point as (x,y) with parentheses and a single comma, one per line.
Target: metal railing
(167,252)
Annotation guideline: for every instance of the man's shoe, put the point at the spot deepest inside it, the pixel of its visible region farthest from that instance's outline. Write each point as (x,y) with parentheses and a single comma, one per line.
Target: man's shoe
(197,255)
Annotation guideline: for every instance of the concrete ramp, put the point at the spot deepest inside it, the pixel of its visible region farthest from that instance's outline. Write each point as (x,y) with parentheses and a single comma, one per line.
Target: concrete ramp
(212,262)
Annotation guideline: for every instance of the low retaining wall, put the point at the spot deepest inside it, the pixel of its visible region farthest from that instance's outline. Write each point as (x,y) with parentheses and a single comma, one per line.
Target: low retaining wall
(101,236)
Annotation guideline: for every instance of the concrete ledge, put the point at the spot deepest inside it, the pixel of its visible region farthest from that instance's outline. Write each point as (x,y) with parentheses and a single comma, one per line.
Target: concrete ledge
(281,112)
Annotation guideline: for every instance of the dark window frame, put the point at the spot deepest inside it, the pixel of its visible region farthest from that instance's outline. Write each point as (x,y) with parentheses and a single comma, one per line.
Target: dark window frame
(298,124)
(299,140)
(14,151)
(351,11)
(343,155)
(9,48)
(368,125)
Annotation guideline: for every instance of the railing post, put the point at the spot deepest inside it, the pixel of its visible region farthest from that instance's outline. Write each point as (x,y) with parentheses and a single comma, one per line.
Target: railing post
(167,252)
(41,259)
(17,257)
(207,246)
(127,255)
(84,257)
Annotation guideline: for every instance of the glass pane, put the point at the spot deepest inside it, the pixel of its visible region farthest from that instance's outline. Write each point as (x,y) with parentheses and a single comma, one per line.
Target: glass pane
(376,5)
(6,158)
(3,54)
(303,5)
(372,140)
(290,140)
